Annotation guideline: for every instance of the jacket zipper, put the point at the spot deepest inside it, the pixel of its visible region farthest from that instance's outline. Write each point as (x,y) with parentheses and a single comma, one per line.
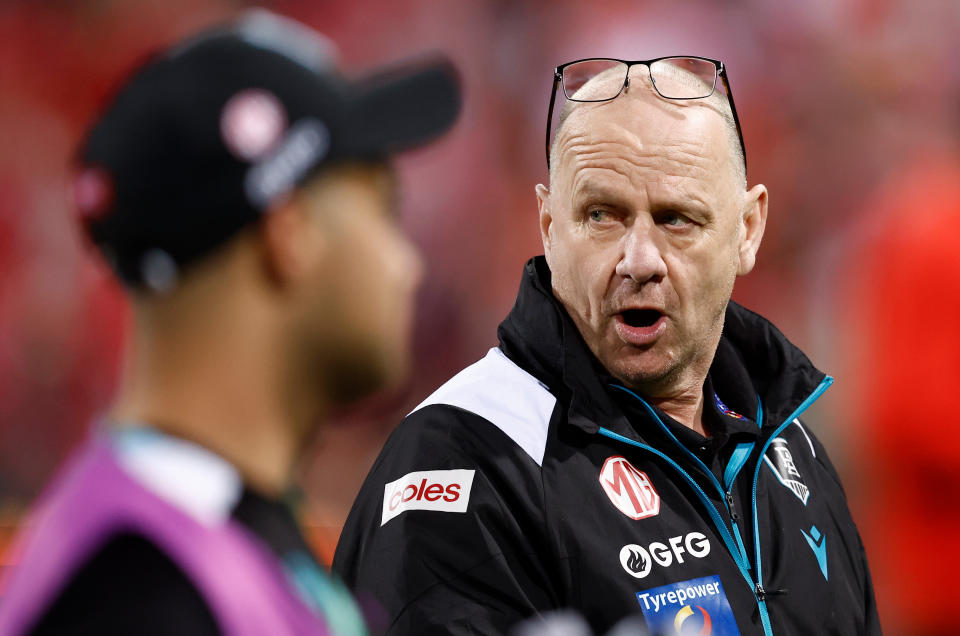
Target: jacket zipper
(736,550)
(725,495)
(718,521)
(823,386)
(704,469)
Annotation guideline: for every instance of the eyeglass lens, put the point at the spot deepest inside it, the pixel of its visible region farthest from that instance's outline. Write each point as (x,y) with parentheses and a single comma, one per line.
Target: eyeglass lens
(673,78)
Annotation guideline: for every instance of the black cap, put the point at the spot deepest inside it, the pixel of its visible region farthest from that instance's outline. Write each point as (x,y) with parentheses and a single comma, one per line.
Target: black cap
(204,136)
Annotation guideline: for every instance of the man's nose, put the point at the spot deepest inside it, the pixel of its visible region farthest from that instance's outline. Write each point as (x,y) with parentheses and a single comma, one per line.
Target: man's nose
(641,258)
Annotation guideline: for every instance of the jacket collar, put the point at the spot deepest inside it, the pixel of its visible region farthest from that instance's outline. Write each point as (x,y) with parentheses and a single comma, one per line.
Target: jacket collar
(754,360)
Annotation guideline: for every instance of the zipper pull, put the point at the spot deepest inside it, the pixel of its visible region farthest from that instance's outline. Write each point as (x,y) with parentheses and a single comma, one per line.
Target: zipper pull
(761,593)
(733,511)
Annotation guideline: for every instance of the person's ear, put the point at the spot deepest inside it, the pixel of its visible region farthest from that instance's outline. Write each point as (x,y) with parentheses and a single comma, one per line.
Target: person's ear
(291,242)
(754,220)
(546,217)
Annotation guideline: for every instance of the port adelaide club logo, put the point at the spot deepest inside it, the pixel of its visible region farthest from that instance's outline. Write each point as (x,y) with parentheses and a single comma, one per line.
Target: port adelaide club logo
(629,489)
(780,461)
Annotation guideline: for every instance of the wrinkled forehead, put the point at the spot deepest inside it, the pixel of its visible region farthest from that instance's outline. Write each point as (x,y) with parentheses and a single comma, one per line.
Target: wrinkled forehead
(626,130)
(636,145)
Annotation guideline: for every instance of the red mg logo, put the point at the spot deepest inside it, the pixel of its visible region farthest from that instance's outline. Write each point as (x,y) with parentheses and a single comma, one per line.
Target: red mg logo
(629,489)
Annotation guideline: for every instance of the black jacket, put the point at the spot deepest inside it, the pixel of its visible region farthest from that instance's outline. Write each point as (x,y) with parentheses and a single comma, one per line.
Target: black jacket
(531,482)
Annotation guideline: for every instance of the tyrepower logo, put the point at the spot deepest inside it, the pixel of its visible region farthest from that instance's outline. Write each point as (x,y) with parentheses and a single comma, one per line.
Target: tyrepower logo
(441,490)
(629,489)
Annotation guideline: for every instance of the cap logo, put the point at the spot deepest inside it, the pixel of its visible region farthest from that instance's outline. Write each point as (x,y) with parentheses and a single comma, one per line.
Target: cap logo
(93,194)
(158,270)
(252,123)
(303,148)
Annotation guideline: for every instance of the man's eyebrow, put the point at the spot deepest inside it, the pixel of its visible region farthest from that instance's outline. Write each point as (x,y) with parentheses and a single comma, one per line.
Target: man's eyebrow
(591,187)
(586,188)
(689,201)
(594,177)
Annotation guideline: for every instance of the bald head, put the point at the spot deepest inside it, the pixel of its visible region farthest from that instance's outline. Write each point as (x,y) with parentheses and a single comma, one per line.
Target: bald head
(669,77)
(646,225)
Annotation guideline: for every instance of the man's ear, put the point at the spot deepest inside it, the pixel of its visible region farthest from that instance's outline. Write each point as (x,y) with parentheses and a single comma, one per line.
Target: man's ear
(546,218)
(754,220)
(290,245)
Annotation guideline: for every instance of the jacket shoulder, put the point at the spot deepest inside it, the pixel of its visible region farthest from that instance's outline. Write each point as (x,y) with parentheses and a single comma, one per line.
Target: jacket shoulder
(812,450)
(502,393)
(448,526)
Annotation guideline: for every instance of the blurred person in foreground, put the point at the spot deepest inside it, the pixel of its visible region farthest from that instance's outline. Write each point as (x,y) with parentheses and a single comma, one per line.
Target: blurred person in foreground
(632,446)
(240,189)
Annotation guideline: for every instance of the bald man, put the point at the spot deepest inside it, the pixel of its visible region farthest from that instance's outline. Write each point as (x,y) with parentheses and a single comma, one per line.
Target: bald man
(633,447)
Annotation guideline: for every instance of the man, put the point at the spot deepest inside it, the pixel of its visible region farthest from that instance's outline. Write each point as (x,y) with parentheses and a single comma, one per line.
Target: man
(240,189)
(632,446)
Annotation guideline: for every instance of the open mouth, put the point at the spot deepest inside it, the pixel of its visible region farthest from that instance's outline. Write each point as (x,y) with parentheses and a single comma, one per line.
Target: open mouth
(641,317)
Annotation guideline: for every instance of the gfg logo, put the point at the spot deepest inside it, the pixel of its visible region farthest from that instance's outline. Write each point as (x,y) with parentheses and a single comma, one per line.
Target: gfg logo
(638,561)
(442,490)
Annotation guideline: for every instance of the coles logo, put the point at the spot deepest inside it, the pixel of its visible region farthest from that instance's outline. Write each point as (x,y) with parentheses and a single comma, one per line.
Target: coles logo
(440,490)
(629,489)
(638,560)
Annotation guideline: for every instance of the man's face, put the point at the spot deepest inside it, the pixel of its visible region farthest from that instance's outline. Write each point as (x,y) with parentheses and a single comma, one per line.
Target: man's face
(645,231)
(359,311)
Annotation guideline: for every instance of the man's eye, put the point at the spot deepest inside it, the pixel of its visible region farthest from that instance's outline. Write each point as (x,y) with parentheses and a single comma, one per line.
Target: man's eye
(675,219)
(599,215)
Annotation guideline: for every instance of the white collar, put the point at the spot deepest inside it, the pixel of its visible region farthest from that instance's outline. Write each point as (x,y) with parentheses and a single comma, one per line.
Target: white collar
(188,476)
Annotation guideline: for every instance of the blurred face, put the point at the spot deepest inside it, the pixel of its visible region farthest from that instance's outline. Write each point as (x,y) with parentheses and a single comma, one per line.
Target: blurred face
(358,293)
(645,228)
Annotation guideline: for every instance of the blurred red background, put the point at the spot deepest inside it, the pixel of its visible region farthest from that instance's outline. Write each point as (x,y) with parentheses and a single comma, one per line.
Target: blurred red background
(851,117)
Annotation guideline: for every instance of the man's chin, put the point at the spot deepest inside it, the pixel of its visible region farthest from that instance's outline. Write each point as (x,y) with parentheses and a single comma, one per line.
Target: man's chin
(353,369)
(648,376)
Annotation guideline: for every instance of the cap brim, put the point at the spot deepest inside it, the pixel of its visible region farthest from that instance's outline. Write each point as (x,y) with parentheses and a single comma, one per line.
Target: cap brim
(402,108)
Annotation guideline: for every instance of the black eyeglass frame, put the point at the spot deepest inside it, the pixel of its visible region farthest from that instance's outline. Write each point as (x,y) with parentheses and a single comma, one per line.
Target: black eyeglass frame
(720,71)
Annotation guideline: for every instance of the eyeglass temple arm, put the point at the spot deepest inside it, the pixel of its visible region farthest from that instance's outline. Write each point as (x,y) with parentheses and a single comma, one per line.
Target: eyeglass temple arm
(733,111)
(553,98)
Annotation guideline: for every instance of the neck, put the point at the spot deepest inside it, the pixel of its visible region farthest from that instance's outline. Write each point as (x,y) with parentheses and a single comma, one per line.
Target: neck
(221,384)
(682,397)
(686,409)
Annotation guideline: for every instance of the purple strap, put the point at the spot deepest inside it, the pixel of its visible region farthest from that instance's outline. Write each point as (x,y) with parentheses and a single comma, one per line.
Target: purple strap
(93,499)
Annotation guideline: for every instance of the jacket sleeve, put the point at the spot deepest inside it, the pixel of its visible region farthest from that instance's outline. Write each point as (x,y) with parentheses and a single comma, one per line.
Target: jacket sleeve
(446,535)
(871,616)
